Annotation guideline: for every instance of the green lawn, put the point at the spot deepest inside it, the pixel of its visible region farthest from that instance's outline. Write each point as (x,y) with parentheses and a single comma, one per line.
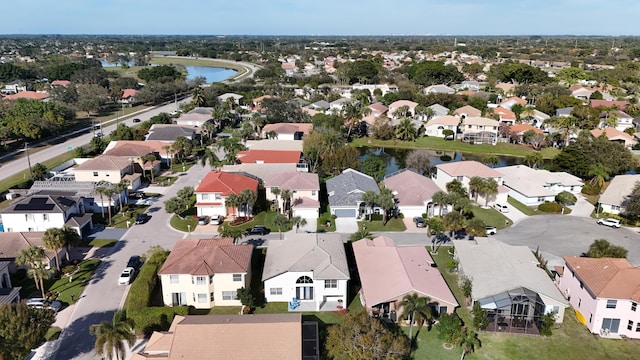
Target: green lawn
(119,219)
(429,346)
(103,243)
(436,143)
(165,180)
(187,219)
(527,210)
(491,217)
(394,224)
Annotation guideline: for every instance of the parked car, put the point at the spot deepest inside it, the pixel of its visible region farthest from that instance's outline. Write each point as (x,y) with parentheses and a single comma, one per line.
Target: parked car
(127,276)
(609,222)
(98,134)
(258,230)
(42,303)
(501,207)
(136,120)
(419,221)
(203,220)
(217,220)
(142,218)
(491,230)
(134,262)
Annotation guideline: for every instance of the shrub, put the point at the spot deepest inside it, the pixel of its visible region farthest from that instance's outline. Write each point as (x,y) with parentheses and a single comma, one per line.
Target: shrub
(150,319)
(566,198)
(69,269)
(546,325)
(591,189)
(140,292)
(550,207)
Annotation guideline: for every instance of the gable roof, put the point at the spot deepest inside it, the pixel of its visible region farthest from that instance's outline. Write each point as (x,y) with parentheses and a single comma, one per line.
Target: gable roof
(518,268)
(269,156)
(169,132)
(480,121)
(513,99)
(467,110)
(226,183)
(41,203)
(60,82)
(288,128)
(504,113)
(607,277)
(522,128)
(321,253)
(378,107)
(535,182)
(411,188)
(621,105)
(348,187)
(613,134)
(468,168)
(399,103)
(207,257)
(134,147)
(619,189)
(11,243)
(439,109)
(105,162)
(129,93)
(33,95)
(293,181)
(388,272)
(444,120)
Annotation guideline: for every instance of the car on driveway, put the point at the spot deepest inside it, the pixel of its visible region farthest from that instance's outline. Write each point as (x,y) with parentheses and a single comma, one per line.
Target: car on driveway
(127,276)
(419,221)
(217,220)
(501,207)
(257,230)
(42,303)
(491,230)
(609,222)
(203,220)
(142,218)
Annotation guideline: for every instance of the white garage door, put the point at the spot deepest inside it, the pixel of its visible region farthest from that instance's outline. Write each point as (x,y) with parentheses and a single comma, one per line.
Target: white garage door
(306,213)
(345,213)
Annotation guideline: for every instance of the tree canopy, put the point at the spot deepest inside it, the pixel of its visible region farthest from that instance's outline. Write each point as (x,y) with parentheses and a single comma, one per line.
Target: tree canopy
(519,73)
(374,167)
(161,73)
(602,248)
(434,72)
(22,329)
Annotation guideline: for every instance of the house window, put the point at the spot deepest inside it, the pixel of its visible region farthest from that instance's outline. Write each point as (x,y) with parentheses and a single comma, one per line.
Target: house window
(611,304)
(26,217)
(45,217)
(229,295)
(205,196)
(211,279)
(331,284)
(275,291)
(442,310)
(106,174)
(638,326)
(634,305)
(211,298)
(174,279)
(95,173)
(590,317)
(630,325)
(201,280)
(540,198)
(178,299)
(611,324)
(202,298)
(459,178)
(237,277)
(313,193)
(304,280)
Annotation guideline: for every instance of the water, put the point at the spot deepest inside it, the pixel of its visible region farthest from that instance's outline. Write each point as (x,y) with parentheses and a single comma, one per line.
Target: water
(209,73)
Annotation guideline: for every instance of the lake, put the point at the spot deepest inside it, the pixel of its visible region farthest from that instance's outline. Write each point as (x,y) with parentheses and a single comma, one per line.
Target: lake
(209,73)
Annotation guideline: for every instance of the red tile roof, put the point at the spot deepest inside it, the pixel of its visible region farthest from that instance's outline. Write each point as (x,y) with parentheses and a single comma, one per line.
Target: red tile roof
(61,82)
(269,157)
(607,277)
(621,105)
(207,257)
(128,93)
(522,128)
(34,95)
(226,183)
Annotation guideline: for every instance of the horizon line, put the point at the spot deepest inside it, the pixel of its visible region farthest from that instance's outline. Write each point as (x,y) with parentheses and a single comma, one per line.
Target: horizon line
(326,35)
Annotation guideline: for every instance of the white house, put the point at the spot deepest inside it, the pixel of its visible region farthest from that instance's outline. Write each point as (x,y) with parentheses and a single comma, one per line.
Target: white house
(437,126)
(535,186)
(479,130)
(463,171)
(309,271)
(613,199)
(204,273)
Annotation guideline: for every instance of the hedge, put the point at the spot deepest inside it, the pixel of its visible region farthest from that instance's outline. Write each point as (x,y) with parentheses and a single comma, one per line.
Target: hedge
(140,292)
(150,319)
(590,189)
(550,207)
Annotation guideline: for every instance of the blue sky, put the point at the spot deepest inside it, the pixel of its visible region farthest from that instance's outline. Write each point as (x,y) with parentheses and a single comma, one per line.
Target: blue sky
(324,17)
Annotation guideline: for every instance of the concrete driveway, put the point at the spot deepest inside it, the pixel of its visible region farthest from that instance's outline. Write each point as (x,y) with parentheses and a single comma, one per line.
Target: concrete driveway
(582,208)
(560,235)
(346,225)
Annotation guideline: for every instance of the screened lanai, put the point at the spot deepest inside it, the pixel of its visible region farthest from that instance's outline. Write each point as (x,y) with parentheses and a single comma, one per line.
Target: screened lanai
(517,310)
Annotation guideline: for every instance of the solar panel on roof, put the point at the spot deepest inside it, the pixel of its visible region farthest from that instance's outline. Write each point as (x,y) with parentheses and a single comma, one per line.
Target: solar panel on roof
(65,201)
(35,204)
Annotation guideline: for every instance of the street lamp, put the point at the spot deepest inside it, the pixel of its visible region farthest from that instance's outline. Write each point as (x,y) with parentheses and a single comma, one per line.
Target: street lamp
(26,148)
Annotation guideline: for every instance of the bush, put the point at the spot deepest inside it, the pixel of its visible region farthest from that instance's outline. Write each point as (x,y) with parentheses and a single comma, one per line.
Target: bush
(590,189)
(140,292)
(550,207)
(150,319)
(566,198)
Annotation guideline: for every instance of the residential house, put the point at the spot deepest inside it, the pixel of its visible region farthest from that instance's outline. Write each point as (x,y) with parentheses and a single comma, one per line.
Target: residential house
(128,96)
(479,130)
(109,168)
(537,118)
(32,95)
(388,273)
(437,125)
(616,135)
(8,293)
(504,115)
(396,105)
(259,171)
(14,87)
(509,102)
(564,111)
(320,105)
(581,93)
(517,131)
(135,150)
(195,117)
(46,210)
(467,111)
(271,157)
(11,243)
(204,273)
(64,83)
(248,337)
(287,131)
(257,102)
(463,171)
(338,105)
(624,121)
(305,193)
(509,283)
(619,104)
(604,293)
(507,88)
(345,193)
(535,186)
(438,110)
(274,144)
(309,271)
(168,133)
(216,186)
(613,199)
(414,193)
(237,99)
(469,85)
(384,88)
(378,109)
(439,89)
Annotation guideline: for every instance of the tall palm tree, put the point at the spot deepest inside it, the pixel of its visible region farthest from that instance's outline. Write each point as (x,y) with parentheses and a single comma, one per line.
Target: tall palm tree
(276,191)
(416,309)
(352,115)
(440,198)
(280,221)
(247,198)
(121,188)
(386,201)
(489,188)
(475,186)
(113,338)
(298,221)
(53,239)
(232,201)
(405,130)
(401,111)
(369,198)
(611,118)
(167,149)
(600,173)
(33,257)
(533,160)
(566,124)
(210,157)
(71,238)
(197,97)
(286,196)
(109,192)
(101,191)
(150,158)
(208,128)
(469,342)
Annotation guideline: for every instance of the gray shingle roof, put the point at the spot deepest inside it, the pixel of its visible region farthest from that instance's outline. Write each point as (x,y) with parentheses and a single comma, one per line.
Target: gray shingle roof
(347,188)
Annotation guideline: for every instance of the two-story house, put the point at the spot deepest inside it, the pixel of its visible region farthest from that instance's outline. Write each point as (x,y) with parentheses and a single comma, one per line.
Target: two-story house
(109,168)
(304,189)
(204,273)
(479,130)
(212,192)
(604,293)
(287,131)
(463,171)
(309,271)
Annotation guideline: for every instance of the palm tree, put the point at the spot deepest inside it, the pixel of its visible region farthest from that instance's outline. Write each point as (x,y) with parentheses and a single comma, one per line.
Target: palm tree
(369,199)
(490,160)
(167,149)
(210,157)
(71,238)
(533,160)
(360,234)
(197,96)
(247,198)
(298,221)
(33,257)
(112,338)
(454,221)
(150,158)
(600,174)
(416,309)
(386,201)
(209,128)
(469,342)
(352,115)
(232,201)
(53,239)
(440,198)
(280,221)
(286,196)
(489,189)
(102,191)
(401,111)
(611,118)
(566,124)
(121,187)
(405,130)
(475,186)
(276,191)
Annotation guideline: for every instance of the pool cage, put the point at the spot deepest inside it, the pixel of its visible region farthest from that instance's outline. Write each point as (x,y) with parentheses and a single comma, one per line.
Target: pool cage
(481,137)
(516,311)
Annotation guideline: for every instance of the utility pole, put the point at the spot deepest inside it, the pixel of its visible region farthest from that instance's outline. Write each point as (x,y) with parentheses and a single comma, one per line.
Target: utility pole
(26,148)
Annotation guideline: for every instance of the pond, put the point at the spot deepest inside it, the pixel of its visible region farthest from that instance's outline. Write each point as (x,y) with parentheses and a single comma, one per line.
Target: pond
(209,73)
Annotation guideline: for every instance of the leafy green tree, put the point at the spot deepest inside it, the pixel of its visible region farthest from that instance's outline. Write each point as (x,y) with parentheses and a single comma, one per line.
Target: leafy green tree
(91,97)
(632,204)
(360,71)
(33,119)
(361,337)
(468,341)
(490,160)
(161,73)
(480,317)
(231,232)
(174,205)
(517,72)
(281,222)
(369,198)
(455,186)
(39,172)
(433,72)
(246,298)
(415,308)
(387,202)
(476,227)
(546,328)
(571,75)
(113,339)
(23,328)
(449,328)
(209,157)
(602,248)
(454,221)
(334,162)
(122,132)
(374,167)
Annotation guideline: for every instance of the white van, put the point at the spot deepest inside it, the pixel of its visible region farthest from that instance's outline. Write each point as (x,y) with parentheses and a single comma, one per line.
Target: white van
(501,207)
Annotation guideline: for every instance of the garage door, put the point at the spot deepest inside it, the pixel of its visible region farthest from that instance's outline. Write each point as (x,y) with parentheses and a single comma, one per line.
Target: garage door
(345,213)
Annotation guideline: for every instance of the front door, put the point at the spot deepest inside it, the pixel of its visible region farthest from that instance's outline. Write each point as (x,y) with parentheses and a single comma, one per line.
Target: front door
(304,292)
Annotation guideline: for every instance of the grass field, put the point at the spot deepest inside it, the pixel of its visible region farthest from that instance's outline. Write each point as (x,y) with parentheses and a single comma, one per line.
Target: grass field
(376,225)
(491,217)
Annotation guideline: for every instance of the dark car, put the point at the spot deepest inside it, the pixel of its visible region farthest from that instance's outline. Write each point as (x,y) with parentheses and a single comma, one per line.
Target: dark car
(134,262)
(419,221)
(142,218)
(136,120)
(257,230)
